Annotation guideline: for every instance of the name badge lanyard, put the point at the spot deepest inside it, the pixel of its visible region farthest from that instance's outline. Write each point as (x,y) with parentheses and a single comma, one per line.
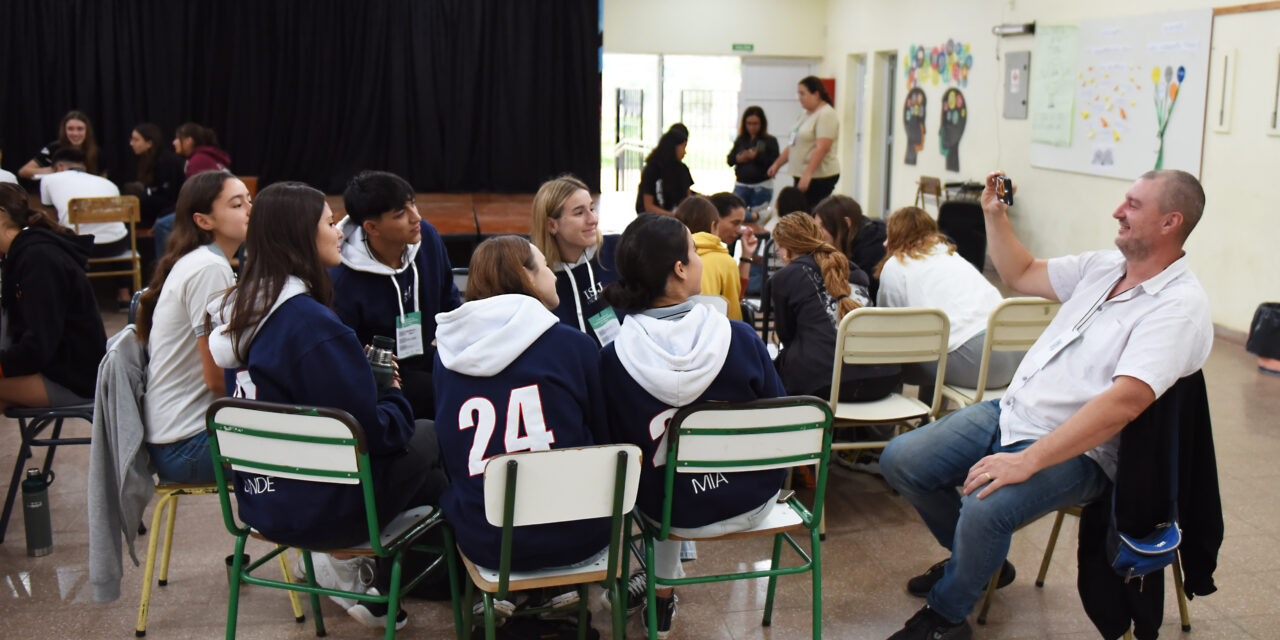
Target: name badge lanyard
(1063,341)
(604,323)
(408,325)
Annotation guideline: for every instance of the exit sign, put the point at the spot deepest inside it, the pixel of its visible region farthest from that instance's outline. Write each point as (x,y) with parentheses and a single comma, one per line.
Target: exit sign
(741,46)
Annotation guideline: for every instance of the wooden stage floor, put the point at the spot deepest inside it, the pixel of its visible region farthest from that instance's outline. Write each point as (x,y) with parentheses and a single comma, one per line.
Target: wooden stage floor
(468,214)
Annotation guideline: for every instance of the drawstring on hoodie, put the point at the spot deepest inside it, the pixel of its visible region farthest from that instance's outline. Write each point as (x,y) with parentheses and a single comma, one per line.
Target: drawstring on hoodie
(577,299)
(417,302)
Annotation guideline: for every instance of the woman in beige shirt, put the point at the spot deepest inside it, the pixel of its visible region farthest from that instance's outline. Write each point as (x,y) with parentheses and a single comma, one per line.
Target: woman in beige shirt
(817,169)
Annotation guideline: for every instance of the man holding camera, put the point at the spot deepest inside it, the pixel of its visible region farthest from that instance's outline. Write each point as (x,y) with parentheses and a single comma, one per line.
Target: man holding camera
(1132,323)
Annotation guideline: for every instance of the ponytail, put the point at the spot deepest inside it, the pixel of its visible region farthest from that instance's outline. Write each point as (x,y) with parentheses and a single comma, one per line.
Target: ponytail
(799,234)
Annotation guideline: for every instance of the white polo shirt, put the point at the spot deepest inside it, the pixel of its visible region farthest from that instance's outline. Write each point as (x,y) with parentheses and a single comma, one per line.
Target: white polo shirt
(1157,332)
(58,189)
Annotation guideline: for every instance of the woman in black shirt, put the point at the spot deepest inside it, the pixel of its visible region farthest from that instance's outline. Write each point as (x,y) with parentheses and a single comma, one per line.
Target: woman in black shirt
(752,154)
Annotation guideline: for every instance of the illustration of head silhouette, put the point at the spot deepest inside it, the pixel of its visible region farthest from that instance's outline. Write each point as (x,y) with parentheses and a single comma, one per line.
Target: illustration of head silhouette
(954,111)
(913,115)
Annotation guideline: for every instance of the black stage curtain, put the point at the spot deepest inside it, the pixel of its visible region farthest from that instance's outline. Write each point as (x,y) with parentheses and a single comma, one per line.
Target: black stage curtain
(454,95)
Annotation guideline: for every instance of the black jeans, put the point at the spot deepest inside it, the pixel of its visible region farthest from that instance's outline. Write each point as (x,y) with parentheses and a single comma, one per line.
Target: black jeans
(819,188)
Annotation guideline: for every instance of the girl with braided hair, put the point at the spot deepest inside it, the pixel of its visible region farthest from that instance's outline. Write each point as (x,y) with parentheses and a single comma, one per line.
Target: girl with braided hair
(810,295)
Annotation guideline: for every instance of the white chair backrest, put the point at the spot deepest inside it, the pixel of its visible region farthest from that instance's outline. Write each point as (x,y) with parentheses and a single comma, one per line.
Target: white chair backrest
(716,303)
(1017,323)
(696,448)
(263,448)
(561,485)
(877,335)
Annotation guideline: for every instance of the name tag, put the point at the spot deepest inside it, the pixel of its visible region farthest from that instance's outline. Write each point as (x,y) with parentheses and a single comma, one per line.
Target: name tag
(792,141)
(409,335)
(605,324)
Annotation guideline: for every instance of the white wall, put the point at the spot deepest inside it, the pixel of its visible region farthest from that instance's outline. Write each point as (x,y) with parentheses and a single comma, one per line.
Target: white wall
(791,28)
(1233,251)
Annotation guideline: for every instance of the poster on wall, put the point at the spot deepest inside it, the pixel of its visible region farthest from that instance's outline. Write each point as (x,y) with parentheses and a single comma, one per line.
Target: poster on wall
(951,128)
(1053,86)
(945,65)
(1139,89)
(913,117)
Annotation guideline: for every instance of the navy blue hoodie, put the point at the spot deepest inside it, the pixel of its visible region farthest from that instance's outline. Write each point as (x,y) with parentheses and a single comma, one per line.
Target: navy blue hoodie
(657,366)
(579,285)
(303,354)
(364,297)
(495,353)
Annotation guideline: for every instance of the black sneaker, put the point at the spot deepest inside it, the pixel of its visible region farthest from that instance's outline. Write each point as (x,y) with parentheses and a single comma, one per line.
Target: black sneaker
(635,594)
(666,613)
(928,624)
(920,585)
(374,614)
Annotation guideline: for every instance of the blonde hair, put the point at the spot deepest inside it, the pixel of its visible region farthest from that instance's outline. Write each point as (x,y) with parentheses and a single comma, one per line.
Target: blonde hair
(548,204)
(912,234)
(799,234)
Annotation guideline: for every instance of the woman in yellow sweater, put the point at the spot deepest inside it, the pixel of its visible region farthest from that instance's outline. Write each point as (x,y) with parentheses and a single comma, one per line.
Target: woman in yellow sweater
(720,276)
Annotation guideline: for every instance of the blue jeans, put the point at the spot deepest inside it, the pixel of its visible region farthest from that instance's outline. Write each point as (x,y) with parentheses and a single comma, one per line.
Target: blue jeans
(160,233)
(185,461)
(756,196)
(928,464)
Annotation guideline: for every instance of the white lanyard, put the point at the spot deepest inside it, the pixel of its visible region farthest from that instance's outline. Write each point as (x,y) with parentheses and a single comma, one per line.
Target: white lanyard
(417,304)
(577,299)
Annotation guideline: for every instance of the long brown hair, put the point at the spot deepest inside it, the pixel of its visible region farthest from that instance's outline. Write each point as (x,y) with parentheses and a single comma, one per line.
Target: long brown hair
(90,145)
(281,243)
(912,234)
(697,213)
(842,217)
(799,234)
(14,203)
(147,160)
(501,265)
(197,196)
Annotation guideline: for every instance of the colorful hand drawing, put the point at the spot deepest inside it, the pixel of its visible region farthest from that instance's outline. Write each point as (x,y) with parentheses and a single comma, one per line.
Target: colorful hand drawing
(913,114)
(1105,101)
(946,63)
(1166,96)
(954,114)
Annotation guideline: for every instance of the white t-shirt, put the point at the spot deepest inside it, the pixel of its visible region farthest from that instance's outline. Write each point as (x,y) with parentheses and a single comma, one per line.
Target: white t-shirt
(822,123)
(176,394)
(943,281)
(1157,332)
(5,176)
(59,188)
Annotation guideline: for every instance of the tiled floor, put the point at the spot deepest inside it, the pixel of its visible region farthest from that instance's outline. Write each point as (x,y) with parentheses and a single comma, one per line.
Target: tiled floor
(876,543)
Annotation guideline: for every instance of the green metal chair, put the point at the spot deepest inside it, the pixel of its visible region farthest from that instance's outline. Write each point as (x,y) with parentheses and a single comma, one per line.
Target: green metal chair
(775,433)
(316,445)
(561,485)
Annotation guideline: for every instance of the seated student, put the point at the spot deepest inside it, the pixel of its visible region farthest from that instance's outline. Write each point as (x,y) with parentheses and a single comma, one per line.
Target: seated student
(52,334)
(790,200)
(845,228)
(394,278)
(282,343)
(810,296)
(672,353)
(720,275)
(159,175)
(70,180)
(199,145)
(922,269)
(503,353)
(566,230)
(74,132)
(182,378)
(733,211)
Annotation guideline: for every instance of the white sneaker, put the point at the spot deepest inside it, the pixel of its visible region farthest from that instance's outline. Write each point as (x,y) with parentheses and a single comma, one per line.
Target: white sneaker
(352,574)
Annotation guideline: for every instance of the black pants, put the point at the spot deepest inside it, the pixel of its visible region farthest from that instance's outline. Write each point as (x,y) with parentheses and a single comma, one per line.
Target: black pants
(819,188)
(418,478)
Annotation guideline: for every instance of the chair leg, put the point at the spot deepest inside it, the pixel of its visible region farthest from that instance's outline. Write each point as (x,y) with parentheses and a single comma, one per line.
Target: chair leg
(451,561)
(298,615)
(393,597)
(1179,589)
(1048,550)
(822,524)
(988,597)
(168,538)
(773,581)
(144,603)
(816,570)
(315,598)
(650,589)
(490,626)
(619,612)
(583,623)
(24,452)
(233,598)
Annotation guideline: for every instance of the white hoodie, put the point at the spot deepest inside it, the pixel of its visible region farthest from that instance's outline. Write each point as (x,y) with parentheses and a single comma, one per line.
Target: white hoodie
(675,360)
(220,344)
(483,337)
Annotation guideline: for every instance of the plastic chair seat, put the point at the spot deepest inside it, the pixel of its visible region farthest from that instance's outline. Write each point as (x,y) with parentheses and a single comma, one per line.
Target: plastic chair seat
(69,411)
(487,579)
(782,518)
(965,396)
(893,408)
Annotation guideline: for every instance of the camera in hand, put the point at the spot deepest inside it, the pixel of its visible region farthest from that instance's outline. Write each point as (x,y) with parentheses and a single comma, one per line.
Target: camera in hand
(1004,189)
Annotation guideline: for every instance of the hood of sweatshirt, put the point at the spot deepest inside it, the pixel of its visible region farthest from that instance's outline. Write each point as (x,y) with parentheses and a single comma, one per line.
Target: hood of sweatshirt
(586,257)
(220,343)
(37,239)
(709,243)
(356,254)
(214,153)
(675,361)
(483,337)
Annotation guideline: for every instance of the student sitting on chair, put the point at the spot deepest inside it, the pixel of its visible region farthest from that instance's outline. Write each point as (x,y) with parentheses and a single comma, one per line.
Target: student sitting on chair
(720,275)
(672,353)
(394,278)
(282,343)
(52,333)
(503,356)
(182,379)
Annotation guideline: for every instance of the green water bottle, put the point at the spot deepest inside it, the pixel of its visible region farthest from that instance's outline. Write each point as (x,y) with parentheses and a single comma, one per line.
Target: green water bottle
(35,513)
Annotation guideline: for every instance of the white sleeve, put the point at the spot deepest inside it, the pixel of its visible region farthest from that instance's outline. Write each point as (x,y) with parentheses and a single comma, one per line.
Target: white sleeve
(204,285)
(1067,271)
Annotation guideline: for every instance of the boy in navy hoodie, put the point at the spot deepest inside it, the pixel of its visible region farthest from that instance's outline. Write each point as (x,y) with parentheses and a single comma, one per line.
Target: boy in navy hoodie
(394,278)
